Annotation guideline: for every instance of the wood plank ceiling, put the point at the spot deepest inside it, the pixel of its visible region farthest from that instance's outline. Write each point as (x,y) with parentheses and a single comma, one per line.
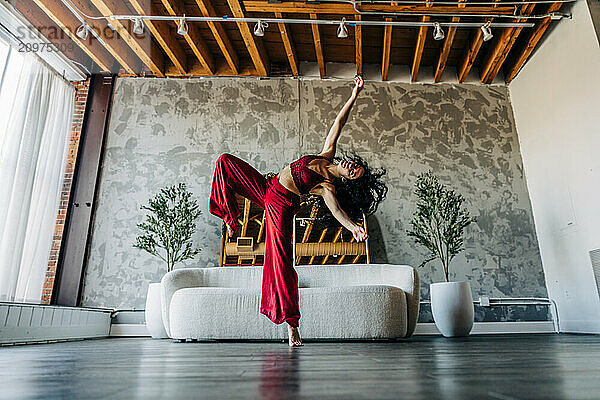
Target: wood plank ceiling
(216,48)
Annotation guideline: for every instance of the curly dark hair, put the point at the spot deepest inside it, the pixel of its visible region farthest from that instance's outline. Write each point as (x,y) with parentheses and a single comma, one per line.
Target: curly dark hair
(355,196)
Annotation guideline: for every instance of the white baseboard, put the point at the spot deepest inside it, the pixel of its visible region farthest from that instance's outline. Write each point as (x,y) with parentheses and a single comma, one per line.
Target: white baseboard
(479,328)
(580,326)
(128,330)
(494,328)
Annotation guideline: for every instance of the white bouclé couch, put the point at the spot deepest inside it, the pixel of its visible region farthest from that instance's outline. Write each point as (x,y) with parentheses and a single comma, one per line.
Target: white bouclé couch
(357,301)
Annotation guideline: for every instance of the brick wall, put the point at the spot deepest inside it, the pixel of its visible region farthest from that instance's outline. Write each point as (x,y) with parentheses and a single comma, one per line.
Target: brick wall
(81,93)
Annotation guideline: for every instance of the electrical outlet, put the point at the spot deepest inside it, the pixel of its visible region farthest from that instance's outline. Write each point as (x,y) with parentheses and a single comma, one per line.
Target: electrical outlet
(484,301)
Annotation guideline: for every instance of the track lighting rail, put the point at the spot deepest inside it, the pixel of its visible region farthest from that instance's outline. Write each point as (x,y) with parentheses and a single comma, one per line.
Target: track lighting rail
(407,14)
(322,22)
(178,19)
(449,3)
(262,23)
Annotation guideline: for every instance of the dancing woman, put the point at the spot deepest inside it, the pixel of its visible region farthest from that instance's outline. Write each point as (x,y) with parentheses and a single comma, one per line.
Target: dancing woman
(348,188)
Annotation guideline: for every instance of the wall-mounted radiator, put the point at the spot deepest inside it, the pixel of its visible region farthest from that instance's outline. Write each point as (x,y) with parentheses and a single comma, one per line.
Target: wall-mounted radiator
(32,323)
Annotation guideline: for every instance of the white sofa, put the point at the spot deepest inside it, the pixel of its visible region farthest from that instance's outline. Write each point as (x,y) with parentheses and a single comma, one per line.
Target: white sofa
(358,301)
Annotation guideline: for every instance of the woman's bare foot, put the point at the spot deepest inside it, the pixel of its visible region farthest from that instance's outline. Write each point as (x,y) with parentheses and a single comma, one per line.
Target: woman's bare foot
(294,337)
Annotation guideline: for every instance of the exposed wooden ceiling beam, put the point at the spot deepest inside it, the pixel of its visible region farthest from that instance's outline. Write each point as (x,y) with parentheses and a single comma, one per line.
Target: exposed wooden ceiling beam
(387,47)
(530,44)
(441,64)
(115,46)
(472,52)
(193,38)
(196,69)
(502,47)
(318,47)
(220,35)
(288,43)
(164,37)
(516,32)
(421,37)
(52,32)
(143,48)
(495,53)
(470,57)
(358,47)
(257,51)
(348,9)
(103,56)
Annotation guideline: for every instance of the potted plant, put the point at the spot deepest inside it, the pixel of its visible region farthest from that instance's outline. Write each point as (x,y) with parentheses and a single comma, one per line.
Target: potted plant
(438,224)
(167,234)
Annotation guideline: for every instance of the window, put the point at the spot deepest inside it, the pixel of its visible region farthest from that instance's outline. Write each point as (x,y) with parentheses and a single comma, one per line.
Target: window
(3,56)
(11,64)
(37,111)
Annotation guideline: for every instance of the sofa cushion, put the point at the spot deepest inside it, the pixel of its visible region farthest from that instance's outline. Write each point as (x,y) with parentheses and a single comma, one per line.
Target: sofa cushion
(346,312)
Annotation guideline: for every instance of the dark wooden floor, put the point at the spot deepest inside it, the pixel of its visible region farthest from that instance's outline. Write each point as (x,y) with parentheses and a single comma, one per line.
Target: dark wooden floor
(478,367)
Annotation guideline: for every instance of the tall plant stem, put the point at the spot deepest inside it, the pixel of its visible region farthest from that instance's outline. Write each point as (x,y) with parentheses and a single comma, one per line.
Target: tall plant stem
(447,265)
(440,250)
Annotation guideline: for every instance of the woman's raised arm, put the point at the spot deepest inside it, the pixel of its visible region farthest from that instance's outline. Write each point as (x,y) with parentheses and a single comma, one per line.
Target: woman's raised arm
(334,133)
(331,202)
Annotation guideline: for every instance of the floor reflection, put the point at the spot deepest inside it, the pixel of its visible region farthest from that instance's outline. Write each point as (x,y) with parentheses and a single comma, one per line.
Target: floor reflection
(279,377)
(448,371)
(532,367)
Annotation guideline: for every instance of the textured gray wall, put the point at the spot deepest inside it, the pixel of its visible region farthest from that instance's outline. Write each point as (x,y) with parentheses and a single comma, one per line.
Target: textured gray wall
(167,131)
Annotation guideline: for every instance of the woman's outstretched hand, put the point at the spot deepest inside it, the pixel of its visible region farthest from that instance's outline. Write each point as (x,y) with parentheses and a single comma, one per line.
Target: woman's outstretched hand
(359,82)
(359,233)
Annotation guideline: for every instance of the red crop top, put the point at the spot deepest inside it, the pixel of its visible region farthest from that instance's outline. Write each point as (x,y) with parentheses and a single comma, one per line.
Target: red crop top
(304,177)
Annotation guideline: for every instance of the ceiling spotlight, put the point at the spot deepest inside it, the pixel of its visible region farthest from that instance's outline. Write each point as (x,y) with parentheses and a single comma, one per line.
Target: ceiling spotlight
(259,28)
(438,32)
(138,26)
(487,31)
(82,31)
(183,27)
(342,31)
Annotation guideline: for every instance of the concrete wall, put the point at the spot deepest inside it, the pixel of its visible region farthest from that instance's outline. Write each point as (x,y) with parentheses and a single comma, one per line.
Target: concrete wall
(555,100)
(166,131)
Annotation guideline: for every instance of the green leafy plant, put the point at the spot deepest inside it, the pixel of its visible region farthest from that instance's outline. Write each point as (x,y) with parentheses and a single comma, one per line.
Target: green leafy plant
(439,221)
(169,227)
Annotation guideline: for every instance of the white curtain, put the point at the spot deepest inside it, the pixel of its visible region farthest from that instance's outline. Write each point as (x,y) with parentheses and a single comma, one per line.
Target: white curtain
(36,111)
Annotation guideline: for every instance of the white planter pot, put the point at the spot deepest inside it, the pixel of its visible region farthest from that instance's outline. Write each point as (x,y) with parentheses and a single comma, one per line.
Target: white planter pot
(452,308)
(154,321)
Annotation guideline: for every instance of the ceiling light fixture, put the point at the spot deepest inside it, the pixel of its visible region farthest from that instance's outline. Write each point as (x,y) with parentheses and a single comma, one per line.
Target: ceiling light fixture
(183,27)
(438,32)
(487,31)
(259,28)
(342,31)
(82,31)
(138,26)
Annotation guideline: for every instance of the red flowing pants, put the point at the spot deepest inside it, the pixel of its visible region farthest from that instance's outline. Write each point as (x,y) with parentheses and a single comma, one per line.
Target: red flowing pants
(279,300)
